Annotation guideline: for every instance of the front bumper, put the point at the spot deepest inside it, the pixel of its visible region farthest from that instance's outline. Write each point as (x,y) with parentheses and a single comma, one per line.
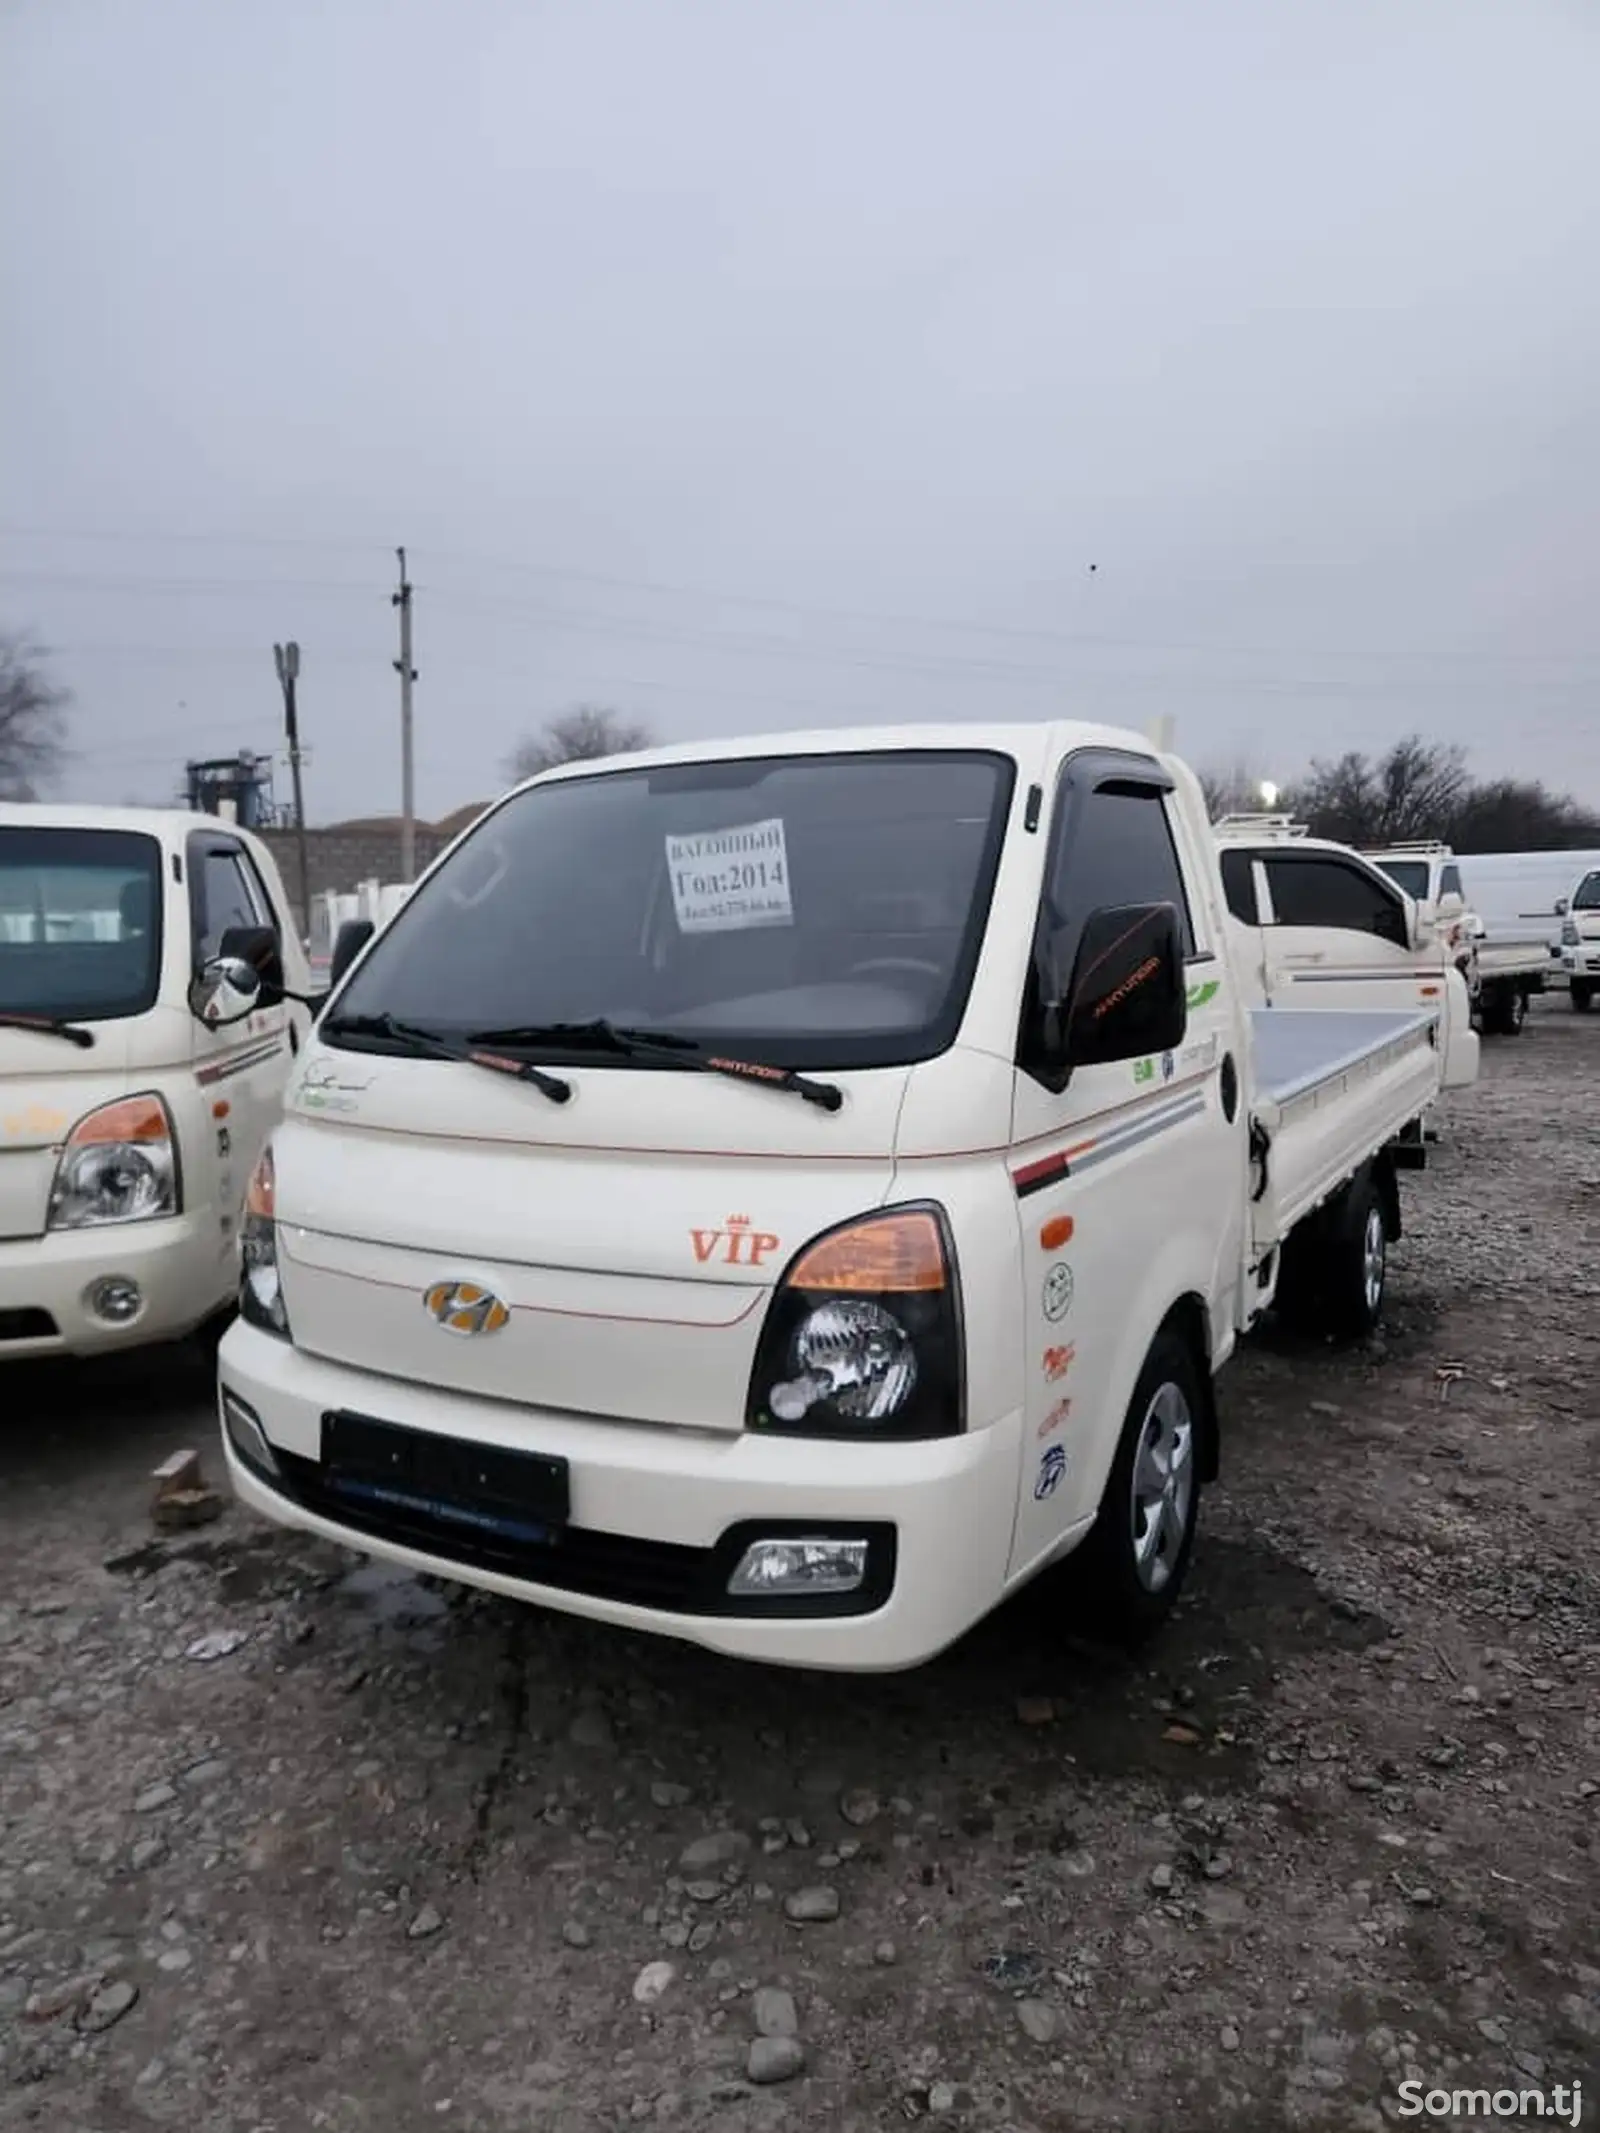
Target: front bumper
(653,1511)
(183,1273)
(1582,962)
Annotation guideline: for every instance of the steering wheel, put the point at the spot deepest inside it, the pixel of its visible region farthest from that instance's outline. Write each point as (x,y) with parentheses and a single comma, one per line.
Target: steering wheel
(899,962)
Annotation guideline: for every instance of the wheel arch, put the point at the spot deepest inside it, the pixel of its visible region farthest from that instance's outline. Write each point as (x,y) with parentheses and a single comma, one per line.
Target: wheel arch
(1190,1320)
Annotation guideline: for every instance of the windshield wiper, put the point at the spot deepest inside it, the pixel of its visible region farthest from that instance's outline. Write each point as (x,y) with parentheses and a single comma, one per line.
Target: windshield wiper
(428,1044)
(49,1026)
(672,1050)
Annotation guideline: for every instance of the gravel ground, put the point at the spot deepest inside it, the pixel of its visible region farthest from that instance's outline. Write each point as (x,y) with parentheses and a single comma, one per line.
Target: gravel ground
(289,1841)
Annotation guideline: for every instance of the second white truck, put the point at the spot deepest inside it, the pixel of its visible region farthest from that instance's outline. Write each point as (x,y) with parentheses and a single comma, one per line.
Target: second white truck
(788,1193)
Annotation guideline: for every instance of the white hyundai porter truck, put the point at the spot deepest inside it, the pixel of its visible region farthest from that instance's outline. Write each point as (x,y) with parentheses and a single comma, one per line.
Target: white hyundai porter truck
(787,1193)
(136,1087)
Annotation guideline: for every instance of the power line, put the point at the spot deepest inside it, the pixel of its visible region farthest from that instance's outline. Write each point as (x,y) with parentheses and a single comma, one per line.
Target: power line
(722,596)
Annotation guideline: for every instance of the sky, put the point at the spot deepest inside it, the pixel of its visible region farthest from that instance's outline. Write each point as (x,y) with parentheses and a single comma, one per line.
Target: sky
(747,366)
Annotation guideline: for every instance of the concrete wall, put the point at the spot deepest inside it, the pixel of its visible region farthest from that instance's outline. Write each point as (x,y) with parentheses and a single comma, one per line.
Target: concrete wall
(342,858)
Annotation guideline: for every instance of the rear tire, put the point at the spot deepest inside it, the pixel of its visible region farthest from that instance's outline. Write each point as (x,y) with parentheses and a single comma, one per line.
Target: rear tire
(1131,1568)
(1582,995)
(1336,1270)
(1505,1009)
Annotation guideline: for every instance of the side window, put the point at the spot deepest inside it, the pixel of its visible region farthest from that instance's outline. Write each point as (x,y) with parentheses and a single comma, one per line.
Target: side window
(1450,881)
(1239,886)
(1115,847)
(1328,892)
(270,915)
(1111,844)
(223,895)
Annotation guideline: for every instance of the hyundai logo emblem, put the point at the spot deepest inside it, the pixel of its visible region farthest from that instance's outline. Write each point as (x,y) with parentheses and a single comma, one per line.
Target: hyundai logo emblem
(464,1307)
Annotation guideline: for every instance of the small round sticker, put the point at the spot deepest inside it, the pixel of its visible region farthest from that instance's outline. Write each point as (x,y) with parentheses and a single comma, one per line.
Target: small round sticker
(1051,1468)
(1058,1291)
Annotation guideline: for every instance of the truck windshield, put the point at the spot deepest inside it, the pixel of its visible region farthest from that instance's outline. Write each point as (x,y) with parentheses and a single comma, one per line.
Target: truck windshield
(1410,875)
(1586,896)
(80,923)
(800,911)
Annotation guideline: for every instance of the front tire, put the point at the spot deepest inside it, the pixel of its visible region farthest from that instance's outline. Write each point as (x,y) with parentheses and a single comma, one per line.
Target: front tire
(1582,995)
(1131,1568)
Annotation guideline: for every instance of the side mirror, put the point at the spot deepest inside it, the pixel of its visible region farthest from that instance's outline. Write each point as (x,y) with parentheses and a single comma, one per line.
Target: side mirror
(1563,906)
(227,989)
(1127,997)
(257,946)
(352,937)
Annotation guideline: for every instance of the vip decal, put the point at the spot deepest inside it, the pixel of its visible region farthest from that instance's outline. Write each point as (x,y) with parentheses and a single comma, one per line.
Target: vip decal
(737,1243)
(1051,1469)
(1054,1419)
(1200,994)
(1058,1291)
(1057,1362)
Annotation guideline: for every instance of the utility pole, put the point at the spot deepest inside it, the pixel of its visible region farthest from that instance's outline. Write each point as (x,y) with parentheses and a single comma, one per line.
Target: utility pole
(408,674)
(286,657)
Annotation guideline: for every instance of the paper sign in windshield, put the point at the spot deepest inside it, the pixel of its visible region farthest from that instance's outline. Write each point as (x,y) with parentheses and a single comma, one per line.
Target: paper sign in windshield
(729,878)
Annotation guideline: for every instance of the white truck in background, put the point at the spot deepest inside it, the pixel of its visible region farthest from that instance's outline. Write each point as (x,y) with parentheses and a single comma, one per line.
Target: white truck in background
(1510,954)
(1323,927)
(1580,938)
(785,1194)
(132,1106)
(1517,896)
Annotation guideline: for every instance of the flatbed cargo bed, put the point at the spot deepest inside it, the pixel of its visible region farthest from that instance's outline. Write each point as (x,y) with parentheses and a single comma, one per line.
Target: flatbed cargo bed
(1332,1091)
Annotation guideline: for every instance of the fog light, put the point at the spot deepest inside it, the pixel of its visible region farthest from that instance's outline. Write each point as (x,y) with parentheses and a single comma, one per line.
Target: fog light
(246,1435)
(116,1299)
(799,1567)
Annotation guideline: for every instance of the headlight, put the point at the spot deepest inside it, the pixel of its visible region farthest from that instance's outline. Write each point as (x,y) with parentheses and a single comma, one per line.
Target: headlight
(120,1164)
(1569,934)
(863,1338)
(260,1290)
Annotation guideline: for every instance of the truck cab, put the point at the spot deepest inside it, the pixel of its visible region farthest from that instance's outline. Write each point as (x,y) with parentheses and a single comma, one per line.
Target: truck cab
(1326,927)
(131,1107)
(1580,939)
(1430,874)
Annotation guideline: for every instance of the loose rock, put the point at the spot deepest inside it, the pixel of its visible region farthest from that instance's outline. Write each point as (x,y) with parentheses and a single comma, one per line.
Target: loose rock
(426,1923)
(859,1807)
(773,2011)
(721,1848)
(665,1794)
(154,1797)
(575,1934)
(107,2006)
(1038,2020)
(812,1906)
(774,2059)
(216,1644)
(653,1981)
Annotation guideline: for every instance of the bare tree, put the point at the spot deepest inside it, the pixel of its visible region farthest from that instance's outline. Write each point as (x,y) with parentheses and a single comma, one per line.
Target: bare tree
(1509,816)
(1415,789)
(579,736)
(33,726)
